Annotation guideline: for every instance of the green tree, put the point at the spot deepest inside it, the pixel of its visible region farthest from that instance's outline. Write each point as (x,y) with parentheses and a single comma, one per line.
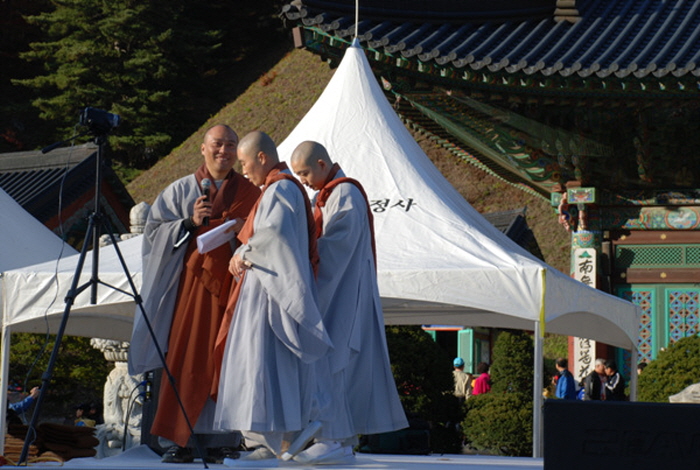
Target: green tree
(140,60)
(512,368)
(423,374)
(673,370)
(19,121)
(79,374)
(501,421)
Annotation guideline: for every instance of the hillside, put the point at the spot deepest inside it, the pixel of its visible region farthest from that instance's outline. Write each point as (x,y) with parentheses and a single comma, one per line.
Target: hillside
(282,96)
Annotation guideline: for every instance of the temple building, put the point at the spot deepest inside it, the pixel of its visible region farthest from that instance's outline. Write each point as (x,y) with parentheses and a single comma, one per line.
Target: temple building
(592,104)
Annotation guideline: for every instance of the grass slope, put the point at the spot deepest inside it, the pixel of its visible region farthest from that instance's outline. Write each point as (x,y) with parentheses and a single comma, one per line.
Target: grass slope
(278,100)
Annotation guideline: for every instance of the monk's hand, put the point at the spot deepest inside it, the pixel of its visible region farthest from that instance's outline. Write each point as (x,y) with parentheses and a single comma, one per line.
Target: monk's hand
(235,227)
(202,209)
(237,265)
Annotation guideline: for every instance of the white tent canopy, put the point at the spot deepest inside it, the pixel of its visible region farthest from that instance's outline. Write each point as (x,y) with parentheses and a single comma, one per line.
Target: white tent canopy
(439,260)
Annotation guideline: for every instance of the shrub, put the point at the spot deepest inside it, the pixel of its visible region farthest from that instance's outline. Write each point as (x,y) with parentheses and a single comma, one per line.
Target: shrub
(423,374)
(674,369)
(512,369)
(500,422)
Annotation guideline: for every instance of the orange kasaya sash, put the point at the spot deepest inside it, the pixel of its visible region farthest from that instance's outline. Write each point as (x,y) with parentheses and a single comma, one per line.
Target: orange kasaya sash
(244,235)
(233,199)
(325,193)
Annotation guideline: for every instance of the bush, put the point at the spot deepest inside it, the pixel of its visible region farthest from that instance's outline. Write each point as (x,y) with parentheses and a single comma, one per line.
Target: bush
(423,374)
(512,369)
(674,369)
(500,422)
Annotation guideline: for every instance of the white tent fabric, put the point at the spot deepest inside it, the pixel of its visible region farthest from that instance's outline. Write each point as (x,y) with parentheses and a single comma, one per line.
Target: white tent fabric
(34,296)
(24,241)
(439,260)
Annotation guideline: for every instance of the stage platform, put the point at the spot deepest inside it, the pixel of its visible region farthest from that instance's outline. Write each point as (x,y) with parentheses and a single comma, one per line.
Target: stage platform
(143,458)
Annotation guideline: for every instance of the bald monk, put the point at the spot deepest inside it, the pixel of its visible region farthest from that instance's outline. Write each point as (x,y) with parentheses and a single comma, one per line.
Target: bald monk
(357,372)
(185,293)
(267,381)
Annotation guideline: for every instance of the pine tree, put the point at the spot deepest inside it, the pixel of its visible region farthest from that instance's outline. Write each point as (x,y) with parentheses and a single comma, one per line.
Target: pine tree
(139,60)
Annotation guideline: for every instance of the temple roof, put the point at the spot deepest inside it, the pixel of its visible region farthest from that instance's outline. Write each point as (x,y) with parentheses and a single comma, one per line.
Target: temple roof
(640,38)
(545,94)
(64,181)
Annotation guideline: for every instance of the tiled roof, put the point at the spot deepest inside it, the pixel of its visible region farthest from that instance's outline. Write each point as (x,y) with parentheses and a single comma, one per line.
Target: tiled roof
(41,182)
(627,38)
(514,224)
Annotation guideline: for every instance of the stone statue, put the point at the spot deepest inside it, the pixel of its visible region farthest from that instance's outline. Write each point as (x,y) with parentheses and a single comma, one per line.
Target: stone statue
(122,402)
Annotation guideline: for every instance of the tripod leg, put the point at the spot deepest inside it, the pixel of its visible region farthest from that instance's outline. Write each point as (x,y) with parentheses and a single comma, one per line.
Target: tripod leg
(161,355)
(46,376)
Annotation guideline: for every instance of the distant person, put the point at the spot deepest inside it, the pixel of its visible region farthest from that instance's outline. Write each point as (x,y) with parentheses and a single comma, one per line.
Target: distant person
(482,384)
(594,383)
(15,410)
(640,367)
(94,413)
(615,385)
(462,380)
(566,387)
(82,416)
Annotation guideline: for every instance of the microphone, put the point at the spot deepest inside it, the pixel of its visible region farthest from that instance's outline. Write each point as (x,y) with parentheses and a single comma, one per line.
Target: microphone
(206,184)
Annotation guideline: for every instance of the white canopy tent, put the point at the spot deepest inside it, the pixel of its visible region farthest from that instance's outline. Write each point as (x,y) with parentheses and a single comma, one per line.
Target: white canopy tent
(439,261)
(33,297)
(24,241)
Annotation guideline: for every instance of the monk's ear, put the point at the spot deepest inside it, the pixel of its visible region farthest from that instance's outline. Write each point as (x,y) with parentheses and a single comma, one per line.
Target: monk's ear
(321,164)
(262,157)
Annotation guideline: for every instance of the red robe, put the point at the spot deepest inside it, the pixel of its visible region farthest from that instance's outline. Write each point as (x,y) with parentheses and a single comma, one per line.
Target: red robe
(205,283)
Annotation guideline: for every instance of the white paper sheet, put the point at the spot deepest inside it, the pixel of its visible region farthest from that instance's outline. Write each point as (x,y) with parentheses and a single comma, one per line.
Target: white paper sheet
(215,237)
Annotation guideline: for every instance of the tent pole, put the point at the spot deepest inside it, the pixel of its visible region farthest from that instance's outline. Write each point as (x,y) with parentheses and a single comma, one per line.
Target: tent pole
(4,377)
(537,395)
(633,374)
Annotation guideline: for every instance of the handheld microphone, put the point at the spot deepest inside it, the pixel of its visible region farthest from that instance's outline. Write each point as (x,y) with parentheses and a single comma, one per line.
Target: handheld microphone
(206,184)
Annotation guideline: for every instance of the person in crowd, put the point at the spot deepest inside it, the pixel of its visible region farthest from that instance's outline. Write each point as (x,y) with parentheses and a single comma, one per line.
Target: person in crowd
(16,409)
(482,383)
(615,384)
(185,294)
(640,367)
(594,382)
(462,380)
(273,331)
(566,386)
(82,416)
(357,372)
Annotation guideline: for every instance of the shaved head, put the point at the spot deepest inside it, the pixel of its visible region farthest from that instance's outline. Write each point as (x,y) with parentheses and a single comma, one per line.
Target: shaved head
(258,141)
(258,155)
(310,151)
(312,164)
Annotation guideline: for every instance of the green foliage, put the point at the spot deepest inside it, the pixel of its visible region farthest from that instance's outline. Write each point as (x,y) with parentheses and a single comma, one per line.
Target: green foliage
(423,374)
(500,423)
(115,56)
(676,368)
(79,374)
(512,369)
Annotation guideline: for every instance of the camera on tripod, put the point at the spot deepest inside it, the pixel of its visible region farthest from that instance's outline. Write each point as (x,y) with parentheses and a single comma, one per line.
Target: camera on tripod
(98,121)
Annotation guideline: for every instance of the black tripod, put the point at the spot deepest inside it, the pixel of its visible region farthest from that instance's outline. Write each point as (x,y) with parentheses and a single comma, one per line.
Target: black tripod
(96,220)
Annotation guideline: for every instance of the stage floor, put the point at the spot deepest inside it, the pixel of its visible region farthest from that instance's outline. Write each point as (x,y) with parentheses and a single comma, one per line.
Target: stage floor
(144,458)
